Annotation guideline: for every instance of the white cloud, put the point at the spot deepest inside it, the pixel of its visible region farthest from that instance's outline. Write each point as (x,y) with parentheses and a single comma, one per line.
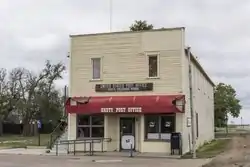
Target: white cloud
(218,31)
(44,42)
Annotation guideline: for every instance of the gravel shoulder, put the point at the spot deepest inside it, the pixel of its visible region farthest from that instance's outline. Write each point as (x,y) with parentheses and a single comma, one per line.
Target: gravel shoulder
(236,155)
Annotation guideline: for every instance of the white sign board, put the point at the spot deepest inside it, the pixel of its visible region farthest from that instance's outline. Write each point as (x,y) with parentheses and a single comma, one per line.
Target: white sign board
(127,140)
(189,121)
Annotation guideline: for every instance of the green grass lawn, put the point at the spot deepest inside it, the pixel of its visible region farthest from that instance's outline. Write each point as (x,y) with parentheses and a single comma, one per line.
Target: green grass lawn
(18,141)
(210,150)
(231,134)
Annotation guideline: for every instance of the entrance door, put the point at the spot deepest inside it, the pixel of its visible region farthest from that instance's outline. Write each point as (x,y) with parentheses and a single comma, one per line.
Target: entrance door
(127,133)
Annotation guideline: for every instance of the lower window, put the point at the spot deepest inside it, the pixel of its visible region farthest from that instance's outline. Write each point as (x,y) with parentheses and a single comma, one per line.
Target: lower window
(97,132)
(90,126)
(197,125)
(83,132)
(159,127)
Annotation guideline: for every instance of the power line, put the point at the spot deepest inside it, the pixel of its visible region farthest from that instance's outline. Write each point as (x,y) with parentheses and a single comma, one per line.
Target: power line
(110,14)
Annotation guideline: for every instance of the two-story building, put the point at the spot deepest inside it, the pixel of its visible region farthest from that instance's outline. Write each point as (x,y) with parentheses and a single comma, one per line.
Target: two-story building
(134,86)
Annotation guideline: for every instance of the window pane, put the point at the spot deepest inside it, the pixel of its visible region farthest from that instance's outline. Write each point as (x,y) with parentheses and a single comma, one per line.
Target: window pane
(197,125)
(83,119)
(167,124)
(127,126)
(83,132)
(96,63)
(152,124)
(98,120)
(97,131)
(153,69)
(166,136)
(153,136)
(152,127)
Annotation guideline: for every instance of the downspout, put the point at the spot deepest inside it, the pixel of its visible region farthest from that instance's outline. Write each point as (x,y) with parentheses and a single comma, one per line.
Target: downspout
(193,128)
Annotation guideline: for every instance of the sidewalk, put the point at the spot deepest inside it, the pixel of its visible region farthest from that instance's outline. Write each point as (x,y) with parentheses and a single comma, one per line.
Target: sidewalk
(67,161)
(135,155)
(23,151)
(110,158)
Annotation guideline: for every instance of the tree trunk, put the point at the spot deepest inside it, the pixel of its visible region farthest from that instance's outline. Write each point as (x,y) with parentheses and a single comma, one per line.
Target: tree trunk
(26,129)
(1,127)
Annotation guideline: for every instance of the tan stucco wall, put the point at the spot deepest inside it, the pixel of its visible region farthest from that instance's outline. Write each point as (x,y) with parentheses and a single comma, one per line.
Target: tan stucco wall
(72,126)
(112,130)
(203,104)
(124,60)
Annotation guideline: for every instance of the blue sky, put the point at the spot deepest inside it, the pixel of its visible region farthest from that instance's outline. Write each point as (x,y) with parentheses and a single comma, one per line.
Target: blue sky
(218,32)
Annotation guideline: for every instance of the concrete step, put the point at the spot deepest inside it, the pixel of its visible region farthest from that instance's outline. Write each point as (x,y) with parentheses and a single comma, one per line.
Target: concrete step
(59,152)
(61,148)
(63,138)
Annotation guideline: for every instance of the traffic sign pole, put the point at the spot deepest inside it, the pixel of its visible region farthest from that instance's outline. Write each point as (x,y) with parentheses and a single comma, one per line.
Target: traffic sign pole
(39,143)
(39,125)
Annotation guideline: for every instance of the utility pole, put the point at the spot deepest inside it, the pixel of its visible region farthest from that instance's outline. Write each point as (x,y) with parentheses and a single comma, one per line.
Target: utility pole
(241,121)
(110,14)
(193,127)
(64,100)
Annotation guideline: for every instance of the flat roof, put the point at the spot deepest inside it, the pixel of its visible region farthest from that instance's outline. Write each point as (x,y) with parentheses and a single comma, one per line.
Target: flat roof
(196,62)
(124,32)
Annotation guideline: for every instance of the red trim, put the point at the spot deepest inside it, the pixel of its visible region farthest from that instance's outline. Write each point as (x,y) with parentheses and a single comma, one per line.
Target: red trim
(129,104)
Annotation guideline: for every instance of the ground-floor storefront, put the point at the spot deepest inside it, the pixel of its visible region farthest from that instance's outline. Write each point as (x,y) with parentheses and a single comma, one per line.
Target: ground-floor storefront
(143,123)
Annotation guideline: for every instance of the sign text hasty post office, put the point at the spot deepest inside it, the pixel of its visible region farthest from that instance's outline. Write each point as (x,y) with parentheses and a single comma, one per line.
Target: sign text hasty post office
(122,110)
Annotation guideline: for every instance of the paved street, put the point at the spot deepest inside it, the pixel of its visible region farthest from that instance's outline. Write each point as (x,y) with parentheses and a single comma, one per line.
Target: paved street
(61,161)
(237,154)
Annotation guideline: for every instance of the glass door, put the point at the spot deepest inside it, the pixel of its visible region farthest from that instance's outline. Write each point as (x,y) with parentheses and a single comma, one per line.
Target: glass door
(127,133)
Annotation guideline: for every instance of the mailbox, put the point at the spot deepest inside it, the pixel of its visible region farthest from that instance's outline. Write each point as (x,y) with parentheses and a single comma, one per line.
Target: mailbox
(176,143)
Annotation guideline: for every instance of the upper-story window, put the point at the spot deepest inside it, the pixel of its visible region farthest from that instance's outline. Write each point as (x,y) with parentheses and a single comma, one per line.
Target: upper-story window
(153,65)
(96,68)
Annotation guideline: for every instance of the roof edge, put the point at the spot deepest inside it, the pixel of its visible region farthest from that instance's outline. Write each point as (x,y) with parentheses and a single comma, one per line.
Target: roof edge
(196,62)
(124,32)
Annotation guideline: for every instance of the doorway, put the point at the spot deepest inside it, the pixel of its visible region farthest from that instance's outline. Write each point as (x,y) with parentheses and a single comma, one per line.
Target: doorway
(127,133)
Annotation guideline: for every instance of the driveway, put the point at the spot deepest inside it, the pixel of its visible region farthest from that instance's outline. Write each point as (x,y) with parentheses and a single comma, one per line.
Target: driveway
(8,160)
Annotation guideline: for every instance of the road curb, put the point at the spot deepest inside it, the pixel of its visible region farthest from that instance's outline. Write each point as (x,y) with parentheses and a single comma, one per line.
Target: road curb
(107,160)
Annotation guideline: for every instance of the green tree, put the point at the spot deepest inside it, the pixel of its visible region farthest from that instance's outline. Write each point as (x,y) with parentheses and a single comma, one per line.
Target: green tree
(50,103)
(140,25)
(34,95)
(225,103)
(4,97)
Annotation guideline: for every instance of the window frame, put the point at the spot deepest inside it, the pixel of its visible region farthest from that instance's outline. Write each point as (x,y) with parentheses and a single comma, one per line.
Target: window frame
(159,119)
(151,54)
(92,69)
(90,125)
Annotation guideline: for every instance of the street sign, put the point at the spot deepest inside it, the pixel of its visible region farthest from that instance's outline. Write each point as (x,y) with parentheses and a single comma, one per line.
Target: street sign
(39,124)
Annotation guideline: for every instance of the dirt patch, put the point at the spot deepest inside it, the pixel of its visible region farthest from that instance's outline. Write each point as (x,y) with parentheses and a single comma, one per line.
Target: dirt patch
(237,154)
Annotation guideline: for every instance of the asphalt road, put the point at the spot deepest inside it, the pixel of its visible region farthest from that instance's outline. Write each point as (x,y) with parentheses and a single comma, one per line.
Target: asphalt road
(53,161)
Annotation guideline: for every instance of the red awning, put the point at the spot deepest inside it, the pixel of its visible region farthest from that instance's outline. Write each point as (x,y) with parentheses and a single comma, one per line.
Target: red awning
(126,104)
